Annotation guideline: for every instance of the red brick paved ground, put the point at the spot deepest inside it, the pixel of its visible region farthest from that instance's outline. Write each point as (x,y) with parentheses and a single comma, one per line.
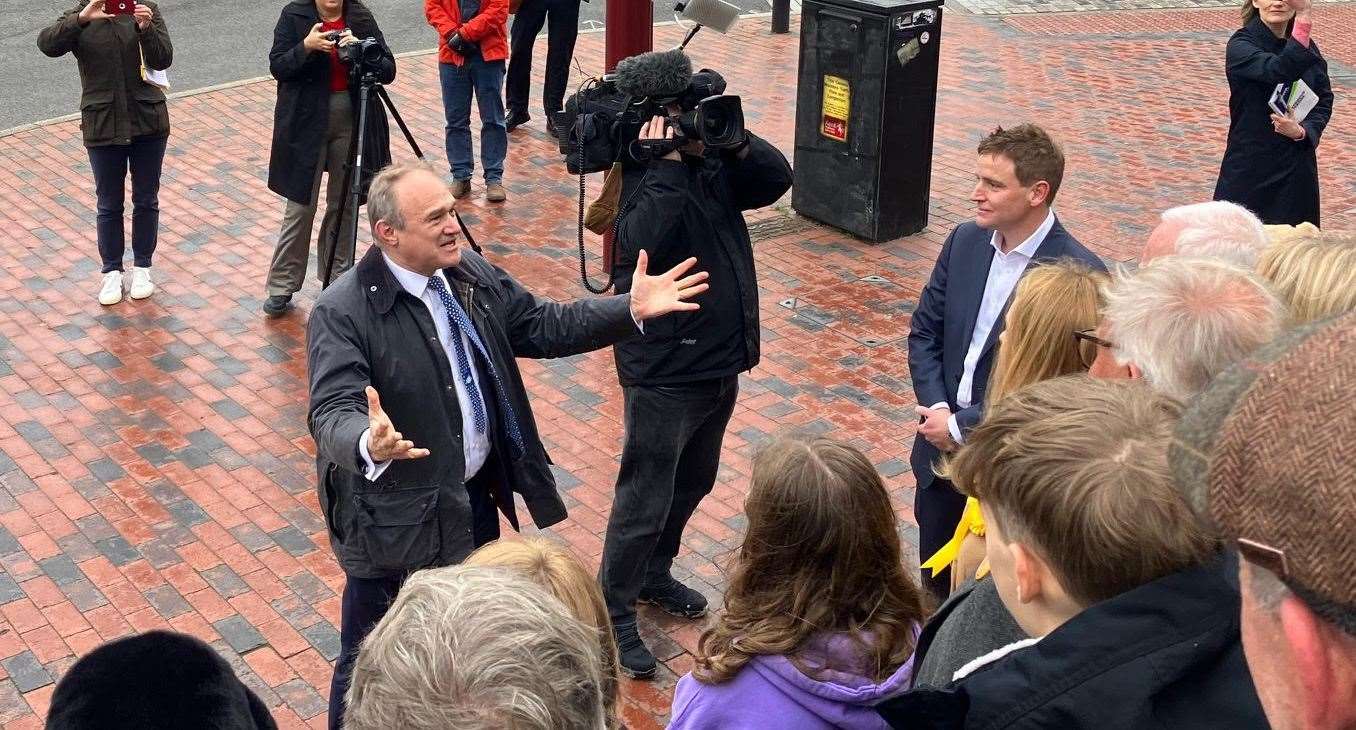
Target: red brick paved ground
(154,461)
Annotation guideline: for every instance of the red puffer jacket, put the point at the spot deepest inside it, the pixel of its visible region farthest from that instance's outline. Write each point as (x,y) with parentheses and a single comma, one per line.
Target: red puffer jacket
(489,28)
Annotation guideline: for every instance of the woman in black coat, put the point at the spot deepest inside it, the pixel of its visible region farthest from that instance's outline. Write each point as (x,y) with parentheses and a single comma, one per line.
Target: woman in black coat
(313,126)
(1270,162)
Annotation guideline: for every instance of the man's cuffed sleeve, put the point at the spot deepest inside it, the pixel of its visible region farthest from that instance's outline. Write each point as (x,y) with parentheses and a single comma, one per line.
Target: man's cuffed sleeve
(954,428)
(372,471)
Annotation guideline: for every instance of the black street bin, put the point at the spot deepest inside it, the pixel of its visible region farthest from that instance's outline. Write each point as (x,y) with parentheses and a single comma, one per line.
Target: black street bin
(866,99)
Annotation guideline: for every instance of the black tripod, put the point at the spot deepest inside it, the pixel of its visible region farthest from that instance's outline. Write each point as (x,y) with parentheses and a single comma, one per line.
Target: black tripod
(353,173)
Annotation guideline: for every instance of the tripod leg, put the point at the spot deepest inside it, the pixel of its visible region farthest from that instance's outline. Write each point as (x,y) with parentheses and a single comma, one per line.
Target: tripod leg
(381,92)
(353,179)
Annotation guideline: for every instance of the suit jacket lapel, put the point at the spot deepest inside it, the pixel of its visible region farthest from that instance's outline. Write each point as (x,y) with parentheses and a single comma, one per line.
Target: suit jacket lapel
(971,277)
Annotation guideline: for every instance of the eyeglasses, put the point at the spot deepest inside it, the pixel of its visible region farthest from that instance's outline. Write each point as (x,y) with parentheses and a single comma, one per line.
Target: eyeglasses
(1088,342)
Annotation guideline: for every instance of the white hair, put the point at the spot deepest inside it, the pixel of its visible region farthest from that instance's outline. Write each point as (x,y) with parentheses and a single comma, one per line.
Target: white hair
(1218,230)
(1182,321)
(476,648)
(382,203)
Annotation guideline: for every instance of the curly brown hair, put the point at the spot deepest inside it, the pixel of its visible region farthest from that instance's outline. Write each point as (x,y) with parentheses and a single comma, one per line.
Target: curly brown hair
(822,554)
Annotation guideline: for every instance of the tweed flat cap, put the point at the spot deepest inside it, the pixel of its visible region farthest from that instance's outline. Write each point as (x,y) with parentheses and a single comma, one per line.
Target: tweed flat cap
(1268,454)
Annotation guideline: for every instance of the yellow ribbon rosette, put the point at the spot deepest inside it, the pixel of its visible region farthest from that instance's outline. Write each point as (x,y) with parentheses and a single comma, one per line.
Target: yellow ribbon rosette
(971,523)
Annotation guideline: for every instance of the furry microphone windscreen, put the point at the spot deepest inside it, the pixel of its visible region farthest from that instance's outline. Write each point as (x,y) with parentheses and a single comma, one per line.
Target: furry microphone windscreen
(654,74)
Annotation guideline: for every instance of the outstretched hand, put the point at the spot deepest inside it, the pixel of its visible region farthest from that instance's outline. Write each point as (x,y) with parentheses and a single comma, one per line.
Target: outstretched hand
(384,442)
(652,296)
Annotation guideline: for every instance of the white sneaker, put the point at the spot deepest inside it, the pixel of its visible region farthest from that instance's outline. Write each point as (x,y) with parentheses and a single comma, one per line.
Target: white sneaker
(111,291)
(142,286)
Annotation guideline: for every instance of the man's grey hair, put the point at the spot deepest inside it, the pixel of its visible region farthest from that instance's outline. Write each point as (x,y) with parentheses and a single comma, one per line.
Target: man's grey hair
(382,204)
(476,648)
(1182,321)
(1219,230)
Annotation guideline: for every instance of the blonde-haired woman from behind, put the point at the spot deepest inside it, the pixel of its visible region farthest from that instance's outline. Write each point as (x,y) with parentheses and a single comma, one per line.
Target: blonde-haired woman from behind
(557,570)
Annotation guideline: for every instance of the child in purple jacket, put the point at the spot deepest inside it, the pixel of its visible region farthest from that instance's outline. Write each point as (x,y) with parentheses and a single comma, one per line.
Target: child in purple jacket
(821,617)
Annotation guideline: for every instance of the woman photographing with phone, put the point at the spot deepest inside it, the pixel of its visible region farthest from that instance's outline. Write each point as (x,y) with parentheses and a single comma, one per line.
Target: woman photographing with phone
(124,122)
(1270,161)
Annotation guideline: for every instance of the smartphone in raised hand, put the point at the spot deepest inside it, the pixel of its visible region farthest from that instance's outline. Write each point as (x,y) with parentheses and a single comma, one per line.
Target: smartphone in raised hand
(120,7)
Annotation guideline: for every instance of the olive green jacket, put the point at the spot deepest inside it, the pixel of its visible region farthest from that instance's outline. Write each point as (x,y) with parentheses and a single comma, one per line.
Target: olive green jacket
(115,104)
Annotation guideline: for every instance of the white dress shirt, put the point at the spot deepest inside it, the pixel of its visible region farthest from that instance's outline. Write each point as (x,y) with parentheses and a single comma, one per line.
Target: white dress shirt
(475,445)
(1004,271)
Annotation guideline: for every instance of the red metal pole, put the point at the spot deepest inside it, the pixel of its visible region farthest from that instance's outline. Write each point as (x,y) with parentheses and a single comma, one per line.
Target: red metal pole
(629,29)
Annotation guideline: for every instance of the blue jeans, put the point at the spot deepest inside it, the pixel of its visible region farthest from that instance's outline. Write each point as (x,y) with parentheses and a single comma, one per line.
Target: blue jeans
(486,78)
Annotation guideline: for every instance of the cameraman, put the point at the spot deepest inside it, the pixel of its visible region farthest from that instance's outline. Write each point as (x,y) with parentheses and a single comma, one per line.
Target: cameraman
(681,378)
(313,127)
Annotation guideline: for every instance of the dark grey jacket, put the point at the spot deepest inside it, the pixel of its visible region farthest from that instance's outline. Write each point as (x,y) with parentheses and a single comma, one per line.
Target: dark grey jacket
(367,330)
(971,623)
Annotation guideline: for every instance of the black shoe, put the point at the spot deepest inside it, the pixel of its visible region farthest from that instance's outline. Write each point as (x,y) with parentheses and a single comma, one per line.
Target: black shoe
(551,129)
(516,119)
(277,304)
(636,660)
(675,598)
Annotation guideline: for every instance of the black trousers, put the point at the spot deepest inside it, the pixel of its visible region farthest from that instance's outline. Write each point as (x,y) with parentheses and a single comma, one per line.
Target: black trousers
(144,157)
(365,601)
(669,462)
(562,20)
(937,508)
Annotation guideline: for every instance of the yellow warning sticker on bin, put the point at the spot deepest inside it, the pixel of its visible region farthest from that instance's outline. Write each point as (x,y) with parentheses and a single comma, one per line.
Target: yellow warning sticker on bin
(837,105)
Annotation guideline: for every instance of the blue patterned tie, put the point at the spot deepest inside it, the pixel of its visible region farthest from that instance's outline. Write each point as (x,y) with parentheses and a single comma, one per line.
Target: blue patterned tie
(456,316)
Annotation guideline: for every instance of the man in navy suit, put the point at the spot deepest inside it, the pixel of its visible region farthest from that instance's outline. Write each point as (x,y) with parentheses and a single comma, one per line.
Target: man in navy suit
(954,334)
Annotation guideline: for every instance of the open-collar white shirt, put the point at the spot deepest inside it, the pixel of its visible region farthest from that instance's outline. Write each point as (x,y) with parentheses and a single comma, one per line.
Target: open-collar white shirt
(1004,271)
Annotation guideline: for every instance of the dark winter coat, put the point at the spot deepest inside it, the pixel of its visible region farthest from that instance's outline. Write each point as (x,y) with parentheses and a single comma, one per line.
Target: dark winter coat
(1164,655)
(1266,172)
(694,207)
(115,104)
(367,330)
(158,680)
(301,116)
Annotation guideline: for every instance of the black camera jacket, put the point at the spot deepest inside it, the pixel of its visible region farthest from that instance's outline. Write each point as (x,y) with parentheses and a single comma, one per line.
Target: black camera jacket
(694,207)
(302,113)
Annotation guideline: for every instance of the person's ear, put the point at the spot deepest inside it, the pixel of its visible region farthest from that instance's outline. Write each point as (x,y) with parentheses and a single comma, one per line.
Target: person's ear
(385,232)
(1038,194)
(1311,661)
(1028,573)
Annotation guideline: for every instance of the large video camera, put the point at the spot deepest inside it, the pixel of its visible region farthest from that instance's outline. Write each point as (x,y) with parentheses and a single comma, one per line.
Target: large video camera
(601,123)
